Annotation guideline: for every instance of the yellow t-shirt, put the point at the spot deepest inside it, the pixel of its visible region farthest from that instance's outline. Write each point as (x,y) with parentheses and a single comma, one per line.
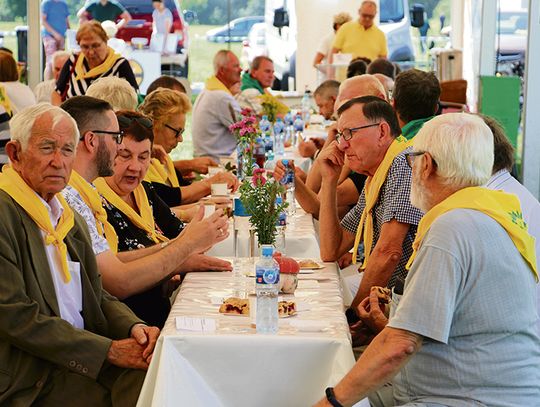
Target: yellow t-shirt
(353,38)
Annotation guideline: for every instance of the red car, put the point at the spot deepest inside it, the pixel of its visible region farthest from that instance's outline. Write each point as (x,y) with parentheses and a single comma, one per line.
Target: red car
(141,25)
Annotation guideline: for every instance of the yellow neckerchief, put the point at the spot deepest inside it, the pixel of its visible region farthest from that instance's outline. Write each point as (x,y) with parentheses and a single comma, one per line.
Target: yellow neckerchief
(81,73)
(145,220)
(372,189)
(213,83)
(12,183)
(158,173)
(4,100)
(503,207)
(91,197)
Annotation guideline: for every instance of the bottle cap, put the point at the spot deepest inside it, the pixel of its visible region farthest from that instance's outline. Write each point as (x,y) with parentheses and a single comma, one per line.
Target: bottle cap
(285,162)
(265,117)
(279,200)
(267,250)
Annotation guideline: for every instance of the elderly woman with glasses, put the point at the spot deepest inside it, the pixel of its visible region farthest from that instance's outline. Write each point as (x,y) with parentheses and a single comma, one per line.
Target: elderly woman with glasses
(168,109)
(96,60)
(139,217)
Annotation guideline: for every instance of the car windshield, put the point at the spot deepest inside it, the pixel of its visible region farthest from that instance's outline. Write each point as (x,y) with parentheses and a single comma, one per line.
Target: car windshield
(144,6)
(513,23)
(391,10)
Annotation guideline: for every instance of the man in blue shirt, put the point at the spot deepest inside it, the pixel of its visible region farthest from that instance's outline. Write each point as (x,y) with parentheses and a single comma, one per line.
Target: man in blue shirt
(103,10)
(54,17)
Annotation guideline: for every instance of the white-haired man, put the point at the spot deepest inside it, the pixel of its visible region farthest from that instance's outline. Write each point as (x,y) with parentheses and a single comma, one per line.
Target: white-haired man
(215,109)
(43,90)
(64,339)
(464,331)
(117,91)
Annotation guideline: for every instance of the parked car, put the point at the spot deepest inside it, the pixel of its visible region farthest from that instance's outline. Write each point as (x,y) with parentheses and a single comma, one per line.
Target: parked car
(238,28)
(141,26)
(255,44)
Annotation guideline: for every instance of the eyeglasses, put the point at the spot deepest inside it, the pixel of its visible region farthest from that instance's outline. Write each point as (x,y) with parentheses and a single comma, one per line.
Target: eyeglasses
(346,134)
(118,136)
(178,132)
(125,121)
(411,155)
(92,47)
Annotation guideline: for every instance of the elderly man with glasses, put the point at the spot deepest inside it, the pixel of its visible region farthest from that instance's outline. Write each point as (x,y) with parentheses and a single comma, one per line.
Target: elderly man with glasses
(383,219)
(464,331)
(361,38)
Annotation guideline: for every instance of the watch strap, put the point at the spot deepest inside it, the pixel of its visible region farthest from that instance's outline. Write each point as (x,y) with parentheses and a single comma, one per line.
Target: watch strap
(331,397)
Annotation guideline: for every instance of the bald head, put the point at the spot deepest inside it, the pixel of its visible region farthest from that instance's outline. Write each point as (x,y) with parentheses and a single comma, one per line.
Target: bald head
(388,83)
(357,86)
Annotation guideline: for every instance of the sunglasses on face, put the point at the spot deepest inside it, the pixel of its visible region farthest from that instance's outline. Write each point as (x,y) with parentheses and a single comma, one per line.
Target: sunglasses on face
(177,132)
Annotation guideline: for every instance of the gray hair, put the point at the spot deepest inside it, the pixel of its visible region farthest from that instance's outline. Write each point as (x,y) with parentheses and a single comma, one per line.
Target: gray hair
(462,146)
(22,123)
(220,59)
(60,54)
(361,85)
(117,91)
(327,89)
(371,2)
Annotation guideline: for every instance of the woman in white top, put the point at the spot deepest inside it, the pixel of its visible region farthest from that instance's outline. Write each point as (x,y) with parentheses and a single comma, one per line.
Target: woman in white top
(19,94)
(325,47)
(162,20)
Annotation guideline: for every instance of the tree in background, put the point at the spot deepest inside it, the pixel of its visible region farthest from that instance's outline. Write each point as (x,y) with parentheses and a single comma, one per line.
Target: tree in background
(15,10)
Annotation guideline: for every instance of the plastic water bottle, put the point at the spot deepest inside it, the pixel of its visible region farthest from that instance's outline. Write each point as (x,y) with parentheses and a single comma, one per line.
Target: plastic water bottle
(241,226)
(267,287)
(270,162)
(268,143)
(288,182)
(298,126)
(281,225)
(279,137)
(264,125)
(289,119)
(307,103)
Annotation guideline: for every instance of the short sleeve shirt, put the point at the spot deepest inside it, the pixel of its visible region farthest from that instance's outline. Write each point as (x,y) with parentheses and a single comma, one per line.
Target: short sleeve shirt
(471,296)
(353,38)
(393,203)
(160,20)
(57,12)
(75,200)
(110,11)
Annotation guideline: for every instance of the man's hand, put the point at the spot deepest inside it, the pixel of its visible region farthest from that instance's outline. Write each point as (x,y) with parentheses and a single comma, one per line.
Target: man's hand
(225,177)
(168,287)
(146,336)
(331,160)
(345,260)
(280,170)
(204,233)
(127,353)
(371,313)
(307,148)
(159,153)
(201,262)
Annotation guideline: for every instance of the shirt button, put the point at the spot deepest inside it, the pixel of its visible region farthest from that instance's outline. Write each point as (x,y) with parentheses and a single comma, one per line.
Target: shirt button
(39,384)
(72,363)
(79,367)
(85,370)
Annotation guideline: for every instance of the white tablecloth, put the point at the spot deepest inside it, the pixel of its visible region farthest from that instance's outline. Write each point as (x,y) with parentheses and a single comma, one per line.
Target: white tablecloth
(235,366)
(300,239)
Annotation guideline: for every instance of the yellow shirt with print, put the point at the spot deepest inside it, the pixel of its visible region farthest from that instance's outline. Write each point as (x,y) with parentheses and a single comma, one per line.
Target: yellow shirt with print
(353,38)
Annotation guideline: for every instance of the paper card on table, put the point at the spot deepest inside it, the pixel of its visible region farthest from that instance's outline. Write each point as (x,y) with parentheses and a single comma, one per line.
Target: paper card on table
(195,324)
(308,284)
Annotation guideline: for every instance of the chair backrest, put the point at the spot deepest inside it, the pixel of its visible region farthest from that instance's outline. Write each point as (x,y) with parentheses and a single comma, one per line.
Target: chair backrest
(454,91)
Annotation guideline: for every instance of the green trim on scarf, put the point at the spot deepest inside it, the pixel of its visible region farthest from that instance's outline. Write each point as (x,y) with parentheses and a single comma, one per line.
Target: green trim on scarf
(248,82)
(413,127)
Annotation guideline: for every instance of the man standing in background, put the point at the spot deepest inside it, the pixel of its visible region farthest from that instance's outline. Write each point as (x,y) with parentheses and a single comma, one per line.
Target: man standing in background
(55,21)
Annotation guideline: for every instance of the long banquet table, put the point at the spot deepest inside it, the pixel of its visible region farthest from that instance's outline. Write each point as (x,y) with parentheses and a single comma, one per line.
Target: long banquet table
(233,365)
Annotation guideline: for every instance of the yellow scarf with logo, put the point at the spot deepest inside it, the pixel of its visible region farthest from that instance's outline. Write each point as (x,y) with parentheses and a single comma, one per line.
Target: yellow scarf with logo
(372,190)
(157,172)
(12,183)
(81,73)
(144,220)
(91,197)
(503,207)
(213,83)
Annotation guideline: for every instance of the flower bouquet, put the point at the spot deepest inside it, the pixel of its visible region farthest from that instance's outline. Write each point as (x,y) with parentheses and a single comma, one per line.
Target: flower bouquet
(246,132)
(271,107)
(258,196)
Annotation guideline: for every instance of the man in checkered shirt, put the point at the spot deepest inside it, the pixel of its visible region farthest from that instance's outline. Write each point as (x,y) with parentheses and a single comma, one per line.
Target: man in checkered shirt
(367,126)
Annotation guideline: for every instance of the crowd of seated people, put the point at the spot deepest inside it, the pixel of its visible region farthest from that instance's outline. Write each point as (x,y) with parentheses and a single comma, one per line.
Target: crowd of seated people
(101,224)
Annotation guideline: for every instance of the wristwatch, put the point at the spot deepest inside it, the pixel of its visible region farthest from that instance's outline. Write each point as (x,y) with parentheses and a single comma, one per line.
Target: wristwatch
(331,397)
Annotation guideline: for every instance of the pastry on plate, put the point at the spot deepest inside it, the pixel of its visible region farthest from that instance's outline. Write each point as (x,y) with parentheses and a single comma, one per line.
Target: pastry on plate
(235,306)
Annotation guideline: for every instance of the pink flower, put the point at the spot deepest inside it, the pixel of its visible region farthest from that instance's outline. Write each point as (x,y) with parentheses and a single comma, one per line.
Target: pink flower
(258,177)
(246,111)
